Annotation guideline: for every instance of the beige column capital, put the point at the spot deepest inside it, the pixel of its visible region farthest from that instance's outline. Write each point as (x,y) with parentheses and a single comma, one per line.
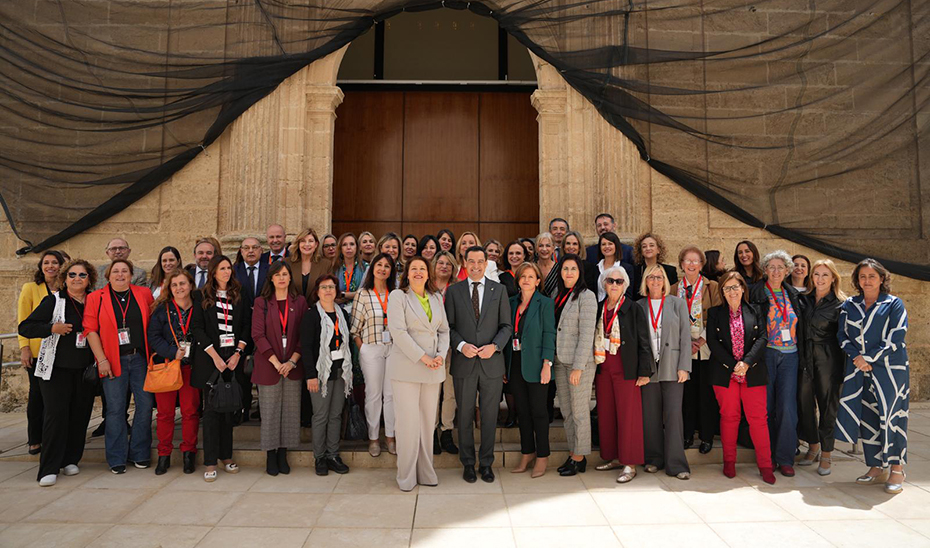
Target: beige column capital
(323,100)
(550,101)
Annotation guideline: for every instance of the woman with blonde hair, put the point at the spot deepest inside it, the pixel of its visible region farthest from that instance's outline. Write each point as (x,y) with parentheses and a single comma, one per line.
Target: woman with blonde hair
(306,257)
(821,376)
(545,260)
(367,246)
(349,269)
(465,241)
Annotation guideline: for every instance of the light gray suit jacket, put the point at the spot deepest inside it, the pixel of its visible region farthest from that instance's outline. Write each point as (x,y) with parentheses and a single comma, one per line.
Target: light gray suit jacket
(574,344)
(414,335)
(675,345)
(494,326)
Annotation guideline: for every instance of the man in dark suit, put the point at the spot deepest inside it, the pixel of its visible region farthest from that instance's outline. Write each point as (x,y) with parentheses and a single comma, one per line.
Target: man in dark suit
(480,327)
(251,271)
(604,222)
(276,244)
(204,250)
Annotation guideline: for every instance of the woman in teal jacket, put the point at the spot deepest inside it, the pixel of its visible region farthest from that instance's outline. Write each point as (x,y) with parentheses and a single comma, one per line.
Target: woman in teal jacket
(529,366)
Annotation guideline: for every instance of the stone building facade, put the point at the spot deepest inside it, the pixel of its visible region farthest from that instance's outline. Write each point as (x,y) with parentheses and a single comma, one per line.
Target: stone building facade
(275,164)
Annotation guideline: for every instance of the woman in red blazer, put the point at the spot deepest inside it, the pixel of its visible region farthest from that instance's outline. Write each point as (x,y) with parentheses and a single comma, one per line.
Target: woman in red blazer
(116,318)
(277,371)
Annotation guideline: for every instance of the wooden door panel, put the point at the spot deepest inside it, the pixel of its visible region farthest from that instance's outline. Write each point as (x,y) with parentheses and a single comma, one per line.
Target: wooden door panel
(509,166)
(505,232)
(357,227)
(440,157)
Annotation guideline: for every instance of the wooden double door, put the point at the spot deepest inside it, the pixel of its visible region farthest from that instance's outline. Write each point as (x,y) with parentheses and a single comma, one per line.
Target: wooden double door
(416,162)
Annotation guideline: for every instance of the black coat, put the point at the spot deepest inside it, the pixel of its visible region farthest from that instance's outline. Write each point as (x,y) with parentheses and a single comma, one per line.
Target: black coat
(822,348)
(205,327)
(635,348)
(161,339)
(720,343)
(759,296)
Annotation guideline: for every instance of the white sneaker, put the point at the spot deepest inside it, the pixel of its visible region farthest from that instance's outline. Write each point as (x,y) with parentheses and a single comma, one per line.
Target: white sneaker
(72,470)
(48,481)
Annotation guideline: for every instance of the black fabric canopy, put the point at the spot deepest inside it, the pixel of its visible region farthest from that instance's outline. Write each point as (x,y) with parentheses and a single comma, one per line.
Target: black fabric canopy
(806,117)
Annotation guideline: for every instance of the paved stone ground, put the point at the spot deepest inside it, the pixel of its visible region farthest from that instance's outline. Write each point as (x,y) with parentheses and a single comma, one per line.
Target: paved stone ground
(364,508)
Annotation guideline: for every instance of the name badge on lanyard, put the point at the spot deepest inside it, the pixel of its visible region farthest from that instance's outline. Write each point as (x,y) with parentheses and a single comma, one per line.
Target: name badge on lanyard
(516,345)
(335,354)
(123,335)
(227,340)
(785,335)
(284,343)
(386,336)
(80,341)
(186,347)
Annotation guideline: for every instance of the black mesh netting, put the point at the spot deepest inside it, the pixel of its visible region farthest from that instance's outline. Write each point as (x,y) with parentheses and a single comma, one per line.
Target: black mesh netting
(807,117)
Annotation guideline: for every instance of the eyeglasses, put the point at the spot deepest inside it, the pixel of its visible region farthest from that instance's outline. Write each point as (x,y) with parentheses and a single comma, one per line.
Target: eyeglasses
(732,288)
(774,268)
(118,248)
(329,245)
(692,263)
(81,275)
(250,247)
(655,278)
(327,287)
(614,281)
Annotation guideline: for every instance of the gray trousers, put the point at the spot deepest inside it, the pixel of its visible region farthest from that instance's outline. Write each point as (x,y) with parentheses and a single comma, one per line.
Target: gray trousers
(327,418)
(280,407)
(663,440)
(575,404)
(467,389)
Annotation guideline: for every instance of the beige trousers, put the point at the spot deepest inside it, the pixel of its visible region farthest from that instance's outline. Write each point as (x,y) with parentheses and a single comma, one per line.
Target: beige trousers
(445,417)
(415,407)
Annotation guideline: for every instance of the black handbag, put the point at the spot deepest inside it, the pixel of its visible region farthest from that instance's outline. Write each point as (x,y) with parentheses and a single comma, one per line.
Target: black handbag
(91,375)
(356,425)
(223,396)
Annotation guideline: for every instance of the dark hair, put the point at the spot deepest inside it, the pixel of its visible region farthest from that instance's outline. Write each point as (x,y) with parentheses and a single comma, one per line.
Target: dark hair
(523,242)
(506,260)
(756,273)
(127,262)
(710,270)
(369,282)
(315,296)
(405,282)
(91,273)
(410,237)
(732,275)
(208,290)
(448,233)
(165,294)
(614,239)
(39,276)
(474,249)
(268,289)
(608,215)
(425,240)
(807,279)
(579,285)
(877,267)
(158,273)
(559,219)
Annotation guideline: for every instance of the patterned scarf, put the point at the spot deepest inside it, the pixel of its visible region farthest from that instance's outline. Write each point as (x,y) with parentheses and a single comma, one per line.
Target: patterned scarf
(50,344)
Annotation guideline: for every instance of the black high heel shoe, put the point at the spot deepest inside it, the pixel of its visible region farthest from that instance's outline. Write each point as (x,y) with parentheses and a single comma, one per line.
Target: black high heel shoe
(575,467)
(164,463)
(564,466)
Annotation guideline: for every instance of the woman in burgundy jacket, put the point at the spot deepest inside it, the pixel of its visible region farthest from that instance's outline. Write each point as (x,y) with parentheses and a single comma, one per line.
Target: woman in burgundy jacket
(278,373)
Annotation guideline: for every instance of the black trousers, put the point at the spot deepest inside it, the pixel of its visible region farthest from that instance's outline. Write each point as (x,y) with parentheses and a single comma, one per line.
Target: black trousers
(68,405)
(217,432)
(245,382)
(530,400)
(663,442)
(699,408)
(35,407)
(819,387)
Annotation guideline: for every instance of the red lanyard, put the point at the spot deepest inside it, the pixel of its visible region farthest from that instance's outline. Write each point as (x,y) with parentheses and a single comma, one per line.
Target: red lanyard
(185,325)
(783,308)
(74,304)
(656,317)
(284,319)
(128,304)
(610,322)
(511,274)
(516,323)
(561,302)
(384,305)
(694,291)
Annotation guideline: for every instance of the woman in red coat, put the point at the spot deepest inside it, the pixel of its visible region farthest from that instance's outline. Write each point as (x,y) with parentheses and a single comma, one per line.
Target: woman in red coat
(277,372)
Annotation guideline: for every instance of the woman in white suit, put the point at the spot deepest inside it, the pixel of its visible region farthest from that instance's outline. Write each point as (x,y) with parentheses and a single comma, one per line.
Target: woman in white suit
(415,365)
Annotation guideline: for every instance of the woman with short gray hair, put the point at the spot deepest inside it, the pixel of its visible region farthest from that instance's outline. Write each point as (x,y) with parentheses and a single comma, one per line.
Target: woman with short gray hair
(781,305)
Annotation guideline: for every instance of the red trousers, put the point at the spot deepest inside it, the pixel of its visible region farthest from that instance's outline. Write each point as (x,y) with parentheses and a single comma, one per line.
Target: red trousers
(619,414)
(190,420)
(754,405)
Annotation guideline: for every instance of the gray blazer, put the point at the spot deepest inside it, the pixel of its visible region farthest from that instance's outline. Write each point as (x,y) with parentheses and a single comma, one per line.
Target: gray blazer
(414,335)
(675,346)
(574,344)
(493,327)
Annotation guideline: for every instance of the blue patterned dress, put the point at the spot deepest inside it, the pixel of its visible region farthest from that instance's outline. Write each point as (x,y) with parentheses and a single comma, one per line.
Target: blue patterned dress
(874,405)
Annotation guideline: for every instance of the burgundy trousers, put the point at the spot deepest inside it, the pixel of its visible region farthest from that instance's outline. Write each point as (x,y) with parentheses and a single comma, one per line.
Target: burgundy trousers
(754,405)
(190,421)
(619,414)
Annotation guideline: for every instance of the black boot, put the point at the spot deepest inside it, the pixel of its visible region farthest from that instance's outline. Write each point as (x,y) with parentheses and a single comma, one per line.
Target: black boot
(564,466)
(575,467)
(189,462)
(445,441)
(271,463)
(283,466)
(321,468)
(437,449)
(164,463)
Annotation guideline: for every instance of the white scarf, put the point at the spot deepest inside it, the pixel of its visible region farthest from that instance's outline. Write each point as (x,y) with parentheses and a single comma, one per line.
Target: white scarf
(50,344)
(324,363)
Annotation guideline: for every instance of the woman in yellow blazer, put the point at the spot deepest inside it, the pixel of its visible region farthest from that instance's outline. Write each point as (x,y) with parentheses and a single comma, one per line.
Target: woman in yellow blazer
(44,282)
(418,326)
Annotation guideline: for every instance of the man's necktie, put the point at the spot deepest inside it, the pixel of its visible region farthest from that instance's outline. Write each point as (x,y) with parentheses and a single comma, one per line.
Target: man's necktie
(201,279)
(474,299)
(252,279)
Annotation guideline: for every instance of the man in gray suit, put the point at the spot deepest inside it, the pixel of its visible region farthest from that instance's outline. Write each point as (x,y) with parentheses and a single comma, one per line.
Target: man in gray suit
(478,311)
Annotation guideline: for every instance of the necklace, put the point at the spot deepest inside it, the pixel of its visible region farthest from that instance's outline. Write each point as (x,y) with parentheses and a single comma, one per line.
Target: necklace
(122,295)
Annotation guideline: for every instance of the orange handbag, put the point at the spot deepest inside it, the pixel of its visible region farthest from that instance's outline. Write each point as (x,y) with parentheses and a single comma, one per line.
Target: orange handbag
(164,376)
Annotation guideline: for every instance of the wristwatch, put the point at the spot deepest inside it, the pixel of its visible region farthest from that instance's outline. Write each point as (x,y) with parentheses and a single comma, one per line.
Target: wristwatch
(240,351)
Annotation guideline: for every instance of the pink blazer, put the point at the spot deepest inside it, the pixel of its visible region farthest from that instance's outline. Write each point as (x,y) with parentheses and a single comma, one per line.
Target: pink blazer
(266,334)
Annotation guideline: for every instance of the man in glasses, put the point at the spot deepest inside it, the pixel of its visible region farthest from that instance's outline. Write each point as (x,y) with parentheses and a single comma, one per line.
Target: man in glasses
(118,248)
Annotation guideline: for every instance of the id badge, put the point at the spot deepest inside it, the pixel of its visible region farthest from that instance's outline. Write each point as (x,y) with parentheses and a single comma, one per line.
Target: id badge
(335,354)
(80,341)
(386,337)
(227,340)
(283,343)
(516,345)
(186,347)
(123,335)
(785,335)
